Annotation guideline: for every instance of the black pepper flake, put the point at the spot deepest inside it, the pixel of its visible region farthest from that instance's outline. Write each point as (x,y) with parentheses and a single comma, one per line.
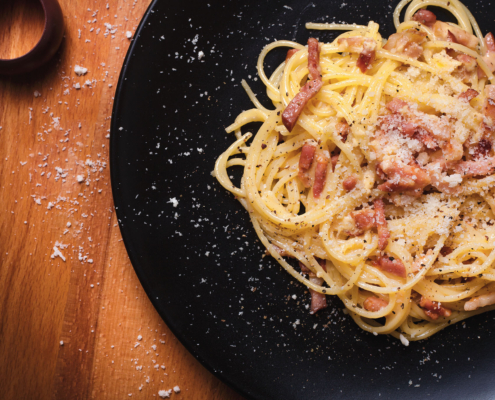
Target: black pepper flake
(263,146)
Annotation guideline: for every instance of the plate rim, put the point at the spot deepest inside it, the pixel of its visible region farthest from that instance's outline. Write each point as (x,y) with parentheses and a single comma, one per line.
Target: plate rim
(114,172)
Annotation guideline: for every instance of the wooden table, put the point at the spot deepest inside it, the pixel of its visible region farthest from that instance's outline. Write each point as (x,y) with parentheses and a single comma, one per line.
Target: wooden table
(75,322)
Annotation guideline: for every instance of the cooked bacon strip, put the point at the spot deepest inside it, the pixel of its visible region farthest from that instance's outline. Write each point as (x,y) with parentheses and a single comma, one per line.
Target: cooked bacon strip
(490,41)
(296,105)
(367,56)
(489,107)
(396,105)
(468,69)
(304,269)
(318,300)
(367,218)
(364,220)
(314,59)
(322,160)
(432,130)
(468,95)
(482,167)
(482,149)
(480,301)
(366,48)
(381,224)
(335,160)
(290,53)
(410,129)
(390,264)
(374,304)
(322,262)
(309,90)
(425,17)
(343,129)
(433,309)
(489,57)
(445,251)
(426,138)
(403,178)
(451,38)
(407,43)
(350,182)
(442,30)
(305,161)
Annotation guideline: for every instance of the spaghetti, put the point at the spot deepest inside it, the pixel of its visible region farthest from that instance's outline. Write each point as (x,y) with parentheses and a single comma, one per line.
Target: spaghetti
(375,171)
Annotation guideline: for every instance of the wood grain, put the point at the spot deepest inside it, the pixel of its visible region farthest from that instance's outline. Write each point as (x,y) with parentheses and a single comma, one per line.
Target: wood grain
(92,302)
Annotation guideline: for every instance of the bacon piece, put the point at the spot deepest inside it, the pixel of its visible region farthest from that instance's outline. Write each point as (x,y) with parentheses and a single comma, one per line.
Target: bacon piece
(350,182)
(305,269)
(305,161)
(396,105)
(308,91)
(314,59)
(426,138)
(489,57)
(442,30)
(343,129)
(433,309)
(297,104)
(490,41)
(318,300)
(403,178)
(468,95)
(482,149)
(364,220)
(290,53)
(366,48)
(480,301)
(446,251)
(367,56)
(430,129)
(396,122)
(489,106)
(381,224)
(468,62)
(468,68)
(322,160)
(482,167)
(322,262)
(335,160)
(390,264)
(425,17)
(374,304)
(451,38)
(407,43)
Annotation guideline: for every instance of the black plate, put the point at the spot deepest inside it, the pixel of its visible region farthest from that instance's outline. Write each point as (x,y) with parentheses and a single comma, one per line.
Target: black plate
(201,263)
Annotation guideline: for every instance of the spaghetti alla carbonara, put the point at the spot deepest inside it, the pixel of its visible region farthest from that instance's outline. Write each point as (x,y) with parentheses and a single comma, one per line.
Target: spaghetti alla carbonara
(372,179)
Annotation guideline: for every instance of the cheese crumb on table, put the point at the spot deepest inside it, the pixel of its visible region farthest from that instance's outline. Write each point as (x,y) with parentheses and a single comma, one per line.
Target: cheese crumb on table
(176,389)
(80,70)
(164,393)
